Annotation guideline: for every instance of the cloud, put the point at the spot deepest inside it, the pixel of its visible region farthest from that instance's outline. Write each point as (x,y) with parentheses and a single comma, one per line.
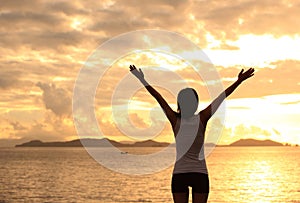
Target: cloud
(8,79)
(47,128)
(239,107)
(56,99)
(17,126)
(138,120)
(225,46)
(35,23)
(220,133)
(251,131)
(227,20)
(282,78)
(292,102)
(69,8)
(276,131)
(13,20)
(22,5)
(51,128)
(49,41)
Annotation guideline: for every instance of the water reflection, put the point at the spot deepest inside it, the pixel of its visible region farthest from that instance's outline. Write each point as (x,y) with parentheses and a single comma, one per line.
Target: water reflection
(255,174)
(260,182)
(242,175)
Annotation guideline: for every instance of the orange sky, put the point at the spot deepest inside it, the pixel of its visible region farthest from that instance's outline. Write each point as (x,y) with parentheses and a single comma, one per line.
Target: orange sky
(45,43)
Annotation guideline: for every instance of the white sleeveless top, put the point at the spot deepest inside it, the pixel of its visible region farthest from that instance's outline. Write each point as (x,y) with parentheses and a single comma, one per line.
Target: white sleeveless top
(190,147)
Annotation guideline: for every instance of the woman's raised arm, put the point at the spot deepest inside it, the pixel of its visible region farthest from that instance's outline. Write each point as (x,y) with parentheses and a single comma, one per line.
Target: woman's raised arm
(171,115)
(207,113)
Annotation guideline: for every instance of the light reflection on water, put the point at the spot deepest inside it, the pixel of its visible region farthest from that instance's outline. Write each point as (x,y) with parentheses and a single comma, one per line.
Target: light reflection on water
(255,174)
(237,174)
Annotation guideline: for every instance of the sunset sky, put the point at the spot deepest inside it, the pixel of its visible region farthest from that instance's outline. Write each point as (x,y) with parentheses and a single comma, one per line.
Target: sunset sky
(44,44)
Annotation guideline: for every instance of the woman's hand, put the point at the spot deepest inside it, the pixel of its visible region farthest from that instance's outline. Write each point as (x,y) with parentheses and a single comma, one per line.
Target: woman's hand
(245,75)
(137,73)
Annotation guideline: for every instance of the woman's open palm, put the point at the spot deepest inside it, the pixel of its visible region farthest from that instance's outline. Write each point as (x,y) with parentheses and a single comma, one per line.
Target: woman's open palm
(245,75)
(137,73)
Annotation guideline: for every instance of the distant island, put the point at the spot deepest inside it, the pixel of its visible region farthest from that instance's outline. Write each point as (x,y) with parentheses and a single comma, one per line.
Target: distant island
(87,142)
(253,142)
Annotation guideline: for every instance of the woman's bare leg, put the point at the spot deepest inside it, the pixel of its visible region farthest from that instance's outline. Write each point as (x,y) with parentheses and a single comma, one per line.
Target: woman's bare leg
(200,197)
(181,197)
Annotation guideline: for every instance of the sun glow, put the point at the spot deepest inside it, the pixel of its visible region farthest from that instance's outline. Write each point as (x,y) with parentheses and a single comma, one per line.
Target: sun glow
(254,50)
(76,24)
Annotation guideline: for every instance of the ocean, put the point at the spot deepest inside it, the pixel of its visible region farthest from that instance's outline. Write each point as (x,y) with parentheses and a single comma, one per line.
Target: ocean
(237,174)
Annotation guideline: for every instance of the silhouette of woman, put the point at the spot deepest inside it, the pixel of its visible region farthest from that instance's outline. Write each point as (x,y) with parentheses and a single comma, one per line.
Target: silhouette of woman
(189,129)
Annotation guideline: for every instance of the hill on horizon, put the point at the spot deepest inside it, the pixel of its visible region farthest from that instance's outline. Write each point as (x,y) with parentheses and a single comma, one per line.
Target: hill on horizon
(90,142)
(254,142)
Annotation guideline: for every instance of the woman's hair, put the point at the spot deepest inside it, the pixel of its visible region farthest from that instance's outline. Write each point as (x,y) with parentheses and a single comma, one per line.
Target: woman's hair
(187,102)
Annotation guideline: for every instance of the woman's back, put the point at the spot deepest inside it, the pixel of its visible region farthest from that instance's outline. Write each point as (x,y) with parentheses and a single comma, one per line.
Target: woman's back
(189,134)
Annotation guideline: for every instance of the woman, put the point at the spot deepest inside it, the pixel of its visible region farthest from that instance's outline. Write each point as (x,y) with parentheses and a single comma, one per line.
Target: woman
(189,129)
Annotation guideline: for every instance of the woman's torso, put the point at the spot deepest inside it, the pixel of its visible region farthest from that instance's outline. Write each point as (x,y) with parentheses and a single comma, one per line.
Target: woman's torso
(189,136)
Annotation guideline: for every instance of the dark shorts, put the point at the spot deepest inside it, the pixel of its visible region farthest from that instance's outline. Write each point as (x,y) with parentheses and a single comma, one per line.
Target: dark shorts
(198,181)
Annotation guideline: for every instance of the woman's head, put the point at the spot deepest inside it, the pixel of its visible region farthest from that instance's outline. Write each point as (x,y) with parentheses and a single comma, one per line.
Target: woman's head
(187,101)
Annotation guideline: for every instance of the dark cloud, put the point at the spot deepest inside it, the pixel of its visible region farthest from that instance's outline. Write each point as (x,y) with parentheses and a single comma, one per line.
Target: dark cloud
(23,76)
(45,25)
(56,41)
(124,16)
(41,27)
(21,5)
(229,19)
(118,25)
(14,20)
(67,7)
(56,99)
(9,79)
(12,77)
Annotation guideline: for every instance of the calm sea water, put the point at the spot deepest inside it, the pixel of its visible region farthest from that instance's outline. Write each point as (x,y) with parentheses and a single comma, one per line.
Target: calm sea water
(237,174)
